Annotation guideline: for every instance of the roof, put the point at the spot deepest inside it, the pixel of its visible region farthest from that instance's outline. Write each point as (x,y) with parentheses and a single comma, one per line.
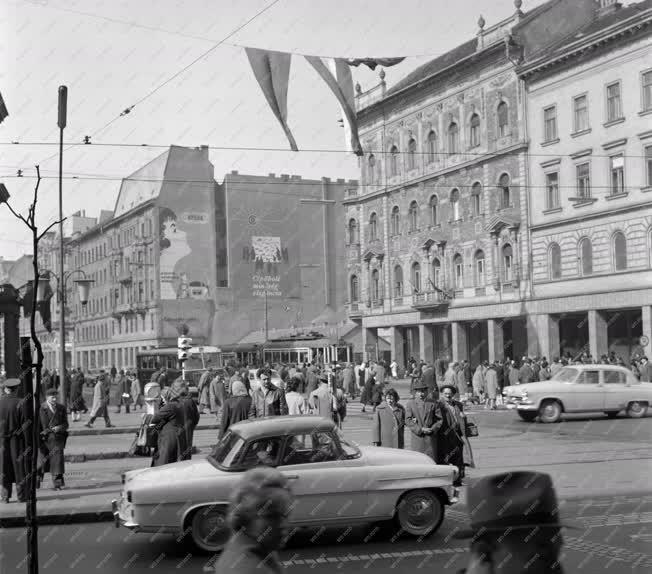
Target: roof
(586,34)
(283,425)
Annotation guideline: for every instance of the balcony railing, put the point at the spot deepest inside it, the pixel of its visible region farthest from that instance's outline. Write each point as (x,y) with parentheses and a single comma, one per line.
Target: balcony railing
(375,303)
(354,310)
(430,300)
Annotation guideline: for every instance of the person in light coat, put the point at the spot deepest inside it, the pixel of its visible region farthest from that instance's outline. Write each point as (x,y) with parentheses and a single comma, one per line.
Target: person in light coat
(136,391)
(321,399)
(295,400)
(491,385)
(388,427)
(101,394)
(478,383)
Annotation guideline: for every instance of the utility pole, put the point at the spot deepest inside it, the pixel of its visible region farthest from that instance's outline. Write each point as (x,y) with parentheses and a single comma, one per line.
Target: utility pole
(63,112)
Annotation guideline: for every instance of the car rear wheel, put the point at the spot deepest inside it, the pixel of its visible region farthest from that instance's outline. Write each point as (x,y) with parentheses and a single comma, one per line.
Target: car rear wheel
(636,410)
(528,416)
(550,412)
(208,528)
(419,512)
(611,414)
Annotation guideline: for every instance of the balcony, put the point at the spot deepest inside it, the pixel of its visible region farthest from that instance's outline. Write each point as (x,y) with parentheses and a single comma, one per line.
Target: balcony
(140,307)
(125,277)
(430,300)
(354,311)
(122,309)
(375,303)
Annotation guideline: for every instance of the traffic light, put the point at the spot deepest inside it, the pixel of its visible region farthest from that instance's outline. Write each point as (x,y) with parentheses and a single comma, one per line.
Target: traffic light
(183,348)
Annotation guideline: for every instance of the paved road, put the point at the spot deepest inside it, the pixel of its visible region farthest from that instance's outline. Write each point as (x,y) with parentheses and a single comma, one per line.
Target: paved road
(614,537)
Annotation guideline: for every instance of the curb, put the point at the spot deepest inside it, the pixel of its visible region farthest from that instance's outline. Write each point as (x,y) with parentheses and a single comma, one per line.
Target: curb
(125,430)
(59,519)
(110,455)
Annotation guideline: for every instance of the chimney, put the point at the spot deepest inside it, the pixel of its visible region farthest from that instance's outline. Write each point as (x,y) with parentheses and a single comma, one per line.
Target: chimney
(608,7)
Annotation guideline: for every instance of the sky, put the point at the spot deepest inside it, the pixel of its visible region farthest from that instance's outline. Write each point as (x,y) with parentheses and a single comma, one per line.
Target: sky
(113,54)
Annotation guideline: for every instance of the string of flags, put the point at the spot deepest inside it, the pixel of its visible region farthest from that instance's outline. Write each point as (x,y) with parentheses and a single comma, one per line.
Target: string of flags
(272,71)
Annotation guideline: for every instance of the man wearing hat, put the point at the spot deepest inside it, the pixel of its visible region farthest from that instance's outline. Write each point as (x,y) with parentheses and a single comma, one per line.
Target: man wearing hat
(514,525)
(421,419)
(12,442)
(452,444)
(321,399)
(54,433)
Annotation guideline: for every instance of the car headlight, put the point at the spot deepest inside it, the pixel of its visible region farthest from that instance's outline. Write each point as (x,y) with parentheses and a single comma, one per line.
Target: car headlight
(524,394)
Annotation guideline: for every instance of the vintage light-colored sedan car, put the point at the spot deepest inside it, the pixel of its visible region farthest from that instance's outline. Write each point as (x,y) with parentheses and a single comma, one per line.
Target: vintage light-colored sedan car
(581,389)
(335,483)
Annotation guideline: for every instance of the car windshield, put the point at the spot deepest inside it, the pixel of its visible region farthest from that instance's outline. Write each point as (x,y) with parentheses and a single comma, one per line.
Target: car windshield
(226,451)
(565,375)
(349,448)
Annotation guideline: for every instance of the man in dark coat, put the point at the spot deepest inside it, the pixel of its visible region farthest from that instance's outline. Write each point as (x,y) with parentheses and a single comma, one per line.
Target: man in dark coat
(421,419)
(122,391)
(268,400)
(525,374)
(77,403)
(168,425)
(54,433)
(236,408)
(190,416)
(645,369)
(312,380)
(451,431)
(428,379)
(12,441)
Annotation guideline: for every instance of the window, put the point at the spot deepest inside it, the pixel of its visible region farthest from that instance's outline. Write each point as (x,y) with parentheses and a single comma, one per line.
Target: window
(398,281)
(453,138)
(503,119)
(586,257)
(476,199)
(614,103)
(353,232)
(355,290)
(416,278)
(555,261)
(617,174)
(263,452)
(505,193)
(413,216)
(479,268)
(508,260)
(393,161)
(580,113)
(614,378)
(589,378)
(436,272)
(458,268)
(648,166)
(646,86)
(620,251)
(552,190)
(583,176)
(375,285)
(434,210)
(455,205)
(396,221)
(550,123)
(432,147)
(373,227)
(412,154)
(474,132)
(371,165)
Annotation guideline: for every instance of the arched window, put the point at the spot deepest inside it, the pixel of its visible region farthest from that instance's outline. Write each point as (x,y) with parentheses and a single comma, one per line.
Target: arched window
(393,161)
(416,278)
(555,261)
(504,191)
(353,232)
(412,154)
(453,138)
(375,285)
(620,251)
(508,263)
(371,165)
(458,271)
(479,268)
(413,216)
(455,204)
(398,281)
(436,272)
(434,210)
(476,199)
(503,119)
(396,220)
(586,257)
(373,227)
(432,146)
(474,130)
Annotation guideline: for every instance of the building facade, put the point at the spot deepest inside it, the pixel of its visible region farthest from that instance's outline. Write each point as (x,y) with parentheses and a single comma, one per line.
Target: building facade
(439,248)
(589,102)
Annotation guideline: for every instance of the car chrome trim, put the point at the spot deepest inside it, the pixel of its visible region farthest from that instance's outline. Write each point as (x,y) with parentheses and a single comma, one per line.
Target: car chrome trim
(201,505)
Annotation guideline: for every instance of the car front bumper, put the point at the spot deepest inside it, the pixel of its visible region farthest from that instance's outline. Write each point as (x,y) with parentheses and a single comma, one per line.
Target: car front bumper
(123,514)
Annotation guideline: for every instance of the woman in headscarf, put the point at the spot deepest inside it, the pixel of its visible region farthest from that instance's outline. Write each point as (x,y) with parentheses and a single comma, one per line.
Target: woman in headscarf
(236,407)
(168,423)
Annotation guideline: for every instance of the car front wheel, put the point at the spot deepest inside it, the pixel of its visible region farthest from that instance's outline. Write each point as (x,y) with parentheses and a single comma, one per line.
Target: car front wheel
(419,512)
(550,412)
(208,528)
(636,410)
(528,416)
